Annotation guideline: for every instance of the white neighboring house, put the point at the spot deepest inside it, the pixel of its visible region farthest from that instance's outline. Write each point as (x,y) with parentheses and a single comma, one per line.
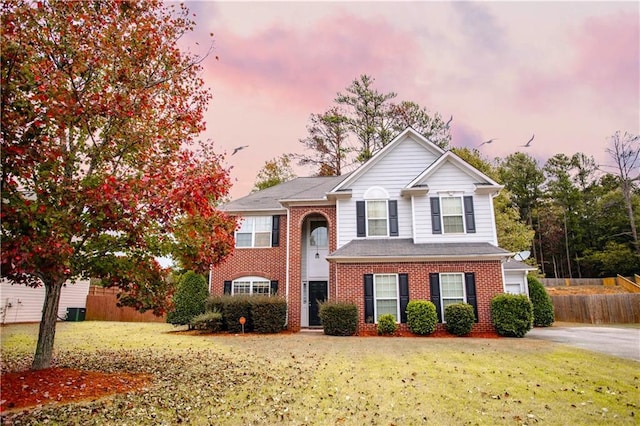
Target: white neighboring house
(19,303)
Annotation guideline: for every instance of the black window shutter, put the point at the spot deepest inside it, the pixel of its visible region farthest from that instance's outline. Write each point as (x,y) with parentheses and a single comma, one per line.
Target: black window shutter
(227,287)
(274,287)
(436,227)
(470,285)
(434,284)
(469,215)
(368,298)
(404,296)
(275,231)
(393,218)
(361,219)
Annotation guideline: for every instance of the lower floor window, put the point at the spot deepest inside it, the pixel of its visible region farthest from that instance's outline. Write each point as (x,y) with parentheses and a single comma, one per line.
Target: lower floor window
(386,295)
(451,290)
(251,286)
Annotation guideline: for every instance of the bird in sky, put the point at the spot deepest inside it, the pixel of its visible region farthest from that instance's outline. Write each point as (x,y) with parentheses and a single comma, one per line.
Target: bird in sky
(235,150)
(449,122)
(489,141)
(529,142)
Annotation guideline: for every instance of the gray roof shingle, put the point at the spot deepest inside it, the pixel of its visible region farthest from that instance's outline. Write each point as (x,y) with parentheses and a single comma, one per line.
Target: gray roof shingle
(303,188)
(400,248)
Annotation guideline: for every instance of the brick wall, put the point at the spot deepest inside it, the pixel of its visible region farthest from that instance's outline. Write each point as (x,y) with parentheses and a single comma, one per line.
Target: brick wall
(268,262)
(488,277)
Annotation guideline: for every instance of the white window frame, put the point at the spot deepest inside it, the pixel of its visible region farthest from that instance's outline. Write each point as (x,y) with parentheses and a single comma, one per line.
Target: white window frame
(377,194)
(442,297)
(460,198)
(252,221)
(252,281)
(385,218)
(376,298)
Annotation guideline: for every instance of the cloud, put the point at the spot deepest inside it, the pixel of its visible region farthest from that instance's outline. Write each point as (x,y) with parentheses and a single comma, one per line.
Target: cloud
(603,67)
(308,67)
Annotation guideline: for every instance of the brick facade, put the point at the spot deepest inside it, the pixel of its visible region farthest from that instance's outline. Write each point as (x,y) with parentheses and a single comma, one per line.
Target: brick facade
(268,262)
(488,275)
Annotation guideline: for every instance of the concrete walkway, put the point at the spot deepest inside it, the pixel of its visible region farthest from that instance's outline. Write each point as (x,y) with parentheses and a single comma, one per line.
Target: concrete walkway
(617,341)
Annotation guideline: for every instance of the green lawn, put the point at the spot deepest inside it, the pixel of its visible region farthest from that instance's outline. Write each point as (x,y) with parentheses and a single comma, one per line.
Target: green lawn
(315,379)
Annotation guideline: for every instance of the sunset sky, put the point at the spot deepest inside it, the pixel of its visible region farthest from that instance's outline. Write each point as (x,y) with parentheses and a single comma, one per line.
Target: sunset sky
(567,72)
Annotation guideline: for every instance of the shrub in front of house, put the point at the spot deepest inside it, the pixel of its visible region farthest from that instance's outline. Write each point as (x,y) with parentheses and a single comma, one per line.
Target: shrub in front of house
(459,318)
(216,304)
(387,324)
(189,299)
(512,314)
(234,308)
(543,314)
(421,317)
(269,314)
(339,318)
(209,321)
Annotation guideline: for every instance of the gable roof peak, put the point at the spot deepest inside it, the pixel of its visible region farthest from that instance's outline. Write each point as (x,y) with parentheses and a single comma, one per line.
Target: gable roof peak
(408,133)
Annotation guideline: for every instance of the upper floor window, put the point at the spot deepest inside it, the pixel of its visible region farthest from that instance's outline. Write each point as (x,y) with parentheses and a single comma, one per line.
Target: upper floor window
(255,231)
(377,216)
(452,215)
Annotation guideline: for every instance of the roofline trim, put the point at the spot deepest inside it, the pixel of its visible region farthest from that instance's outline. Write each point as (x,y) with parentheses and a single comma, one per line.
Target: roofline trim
(413,258)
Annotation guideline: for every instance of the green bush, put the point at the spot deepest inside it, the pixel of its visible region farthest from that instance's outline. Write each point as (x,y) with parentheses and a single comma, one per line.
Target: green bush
(387,324)
(543,314)
(269,314)
(460,318)
(512,314)
(216,304)
(339,318)
(421,317)
(235,307)
(189,299)
(209,321)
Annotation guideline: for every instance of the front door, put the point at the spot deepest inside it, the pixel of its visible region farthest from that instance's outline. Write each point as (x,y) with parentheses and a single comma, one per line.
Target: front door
(317,294)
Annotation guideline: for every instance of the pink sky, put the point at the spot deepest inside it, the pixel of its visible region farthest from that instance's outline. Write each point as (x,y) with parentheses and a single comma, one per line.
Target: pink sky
(566,72)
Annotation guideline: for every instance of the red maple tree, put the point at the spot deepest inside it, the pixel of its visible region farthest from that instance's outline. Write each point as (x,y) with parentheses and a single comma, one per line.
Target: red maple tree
(101,171)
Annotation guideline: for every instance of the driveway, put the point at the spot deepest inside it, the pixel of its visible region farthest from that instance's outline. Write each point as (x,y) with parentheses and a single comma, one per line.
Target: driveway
(617,341)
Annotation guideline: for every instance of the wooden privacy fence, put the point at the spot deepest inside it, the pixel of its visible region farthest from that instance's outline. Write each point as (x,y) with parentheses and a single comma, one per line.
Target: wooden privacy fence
(101,306)
(597,308)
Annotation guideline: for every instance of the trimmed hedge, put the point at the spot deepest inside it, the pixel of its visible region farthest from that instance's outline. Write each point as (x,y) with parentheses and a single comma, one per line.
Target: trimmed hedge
(263,314)
(512,314)
(189,299)
(339,318)
(209,321)
(235,307)
(269,314)
(387,324)
(421,317)
(460,318)
(543,314)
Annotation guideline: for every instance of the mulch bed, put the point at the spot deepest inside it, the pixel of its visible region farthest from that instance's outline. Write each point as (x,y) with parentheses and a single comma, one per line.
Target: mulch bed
(26,389)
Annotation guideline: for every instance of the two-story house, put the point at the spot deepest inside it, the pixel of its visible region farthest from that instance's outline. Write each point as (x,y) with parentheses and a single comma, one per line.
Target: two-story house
(413,222)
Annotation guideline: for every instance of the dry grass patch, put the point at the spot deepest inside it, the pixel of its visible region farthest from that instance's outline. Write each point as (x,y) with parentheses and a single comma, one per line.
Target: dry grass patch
(315,379)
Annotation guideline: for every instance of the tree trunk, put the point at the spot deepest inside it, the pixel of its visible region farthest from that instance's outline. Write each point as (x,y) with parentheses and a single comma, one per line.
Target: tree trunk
(626,193)
(46,335)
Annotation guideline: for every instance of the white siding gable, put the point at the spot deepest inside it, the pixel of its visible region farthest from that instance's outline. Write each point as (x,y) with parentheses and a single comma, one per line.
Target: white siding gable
(393,172)
(449,178)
